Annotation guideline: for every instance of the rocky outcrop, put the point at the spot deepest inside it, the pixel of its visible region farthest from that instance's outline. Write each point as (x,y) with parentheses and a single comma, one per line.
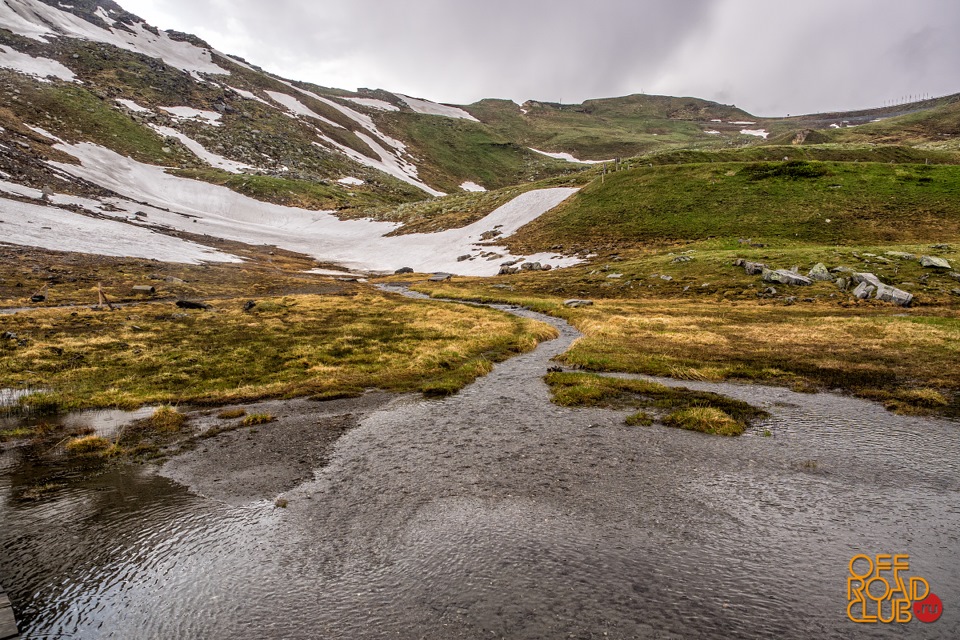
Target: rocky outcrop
(577,303)
(782,276)
(933,262)
(820,273)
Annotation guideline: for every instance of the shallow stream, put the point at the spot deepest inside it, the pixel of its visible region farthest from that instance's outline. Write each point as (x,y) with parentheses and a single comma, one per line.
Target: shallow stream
(496,514)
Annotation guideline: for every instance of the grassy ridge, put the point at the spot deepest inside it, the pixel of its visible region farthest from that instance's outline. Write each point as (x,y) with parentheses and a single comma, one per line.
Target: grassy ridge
(828,203)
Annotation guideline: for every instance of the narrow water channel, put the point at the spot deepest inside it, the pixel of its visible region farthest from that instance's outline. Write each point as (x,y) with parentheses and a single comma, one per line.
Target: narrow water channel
(496,514)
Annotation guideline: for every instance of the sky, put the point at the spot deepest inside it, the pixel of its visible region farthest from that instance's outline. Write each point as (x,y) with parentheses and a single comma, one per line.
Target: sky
(769,57)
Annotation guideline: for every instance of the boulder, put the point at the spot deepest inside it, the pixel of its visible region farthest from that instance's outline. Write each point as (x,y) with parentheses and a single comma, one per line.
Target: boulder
(403,270)
(842,283)
(932,262)
(869,278)
(576,303)
(193,304)
(894,295)
(820,272)
(863,291)
(440,277)
(546,267)
(782,276)
(531,266)
(466,256)
(249,305)
(902,255)
(754,268)
(683,259)
(954,275)
(506,271)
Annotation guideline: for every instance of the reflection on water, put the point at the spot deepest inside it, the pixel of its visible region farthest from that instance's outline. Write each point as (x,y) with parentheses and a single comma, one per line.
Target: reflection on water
(497,514)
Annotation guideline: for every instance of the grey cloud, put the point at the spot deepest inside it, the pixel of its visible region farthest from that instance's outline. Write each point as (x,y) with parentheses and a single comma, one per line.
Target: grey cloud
(769,58)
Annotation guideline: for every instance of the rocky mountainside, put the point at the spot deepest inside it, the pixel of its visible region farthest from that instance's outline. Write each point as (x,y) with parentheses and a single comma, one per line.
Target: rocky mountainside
(109,118)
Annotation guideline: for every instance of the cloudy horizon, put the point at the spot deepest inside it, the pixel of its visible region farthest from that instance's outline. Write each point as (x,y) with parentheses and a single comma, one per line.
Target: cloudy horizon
(770,59)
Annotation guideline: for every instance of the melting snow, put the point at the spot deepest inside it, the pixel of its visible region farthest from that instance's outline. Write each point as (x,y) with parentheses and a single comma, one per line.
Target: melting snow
(373,103)
(434,109)
(743,122)
(472,186)
(354,182)
(39,67)
(567,157)
(198,150)
(189,113)
(36,20)
(57,229)
(133,106)
(298,108)
(712,132)
(199,207)
(760,133)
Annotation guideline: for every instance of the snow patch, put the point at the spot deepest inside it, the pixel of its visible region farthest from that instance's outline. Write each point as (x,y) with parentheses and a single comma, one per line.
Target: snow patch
(298,108)
(434,109)
(353,182)
(133,106)
(472,186)
(198,150)
(743,122)
(760,133)
(203,208)
(189,113)
(41,68)
(373,103)
(567,157)
(57,229)
(37,20)
(712,132)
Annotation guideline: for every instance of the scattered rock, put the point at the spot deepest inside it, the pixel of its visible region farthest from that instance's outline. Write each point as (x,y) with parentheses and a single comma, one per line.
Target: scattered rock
(954,275)
(531,266)
(403,270)
(894,295)
(506,271)
(781,276)
(754,268)
(942,247)
(9,335)
(820,272)
(510,263)
(172,280)
(193,304)
(955,292)
(902,255)
(869,278)
(932,262)
(490,235)
(841,270)
(464,257)
(863,291)
(575,303)
(842,283)
(38,298)
(546,267)
(667,278)
(440,277)
(770,291)
(615,276)
(683,259)
(249,305)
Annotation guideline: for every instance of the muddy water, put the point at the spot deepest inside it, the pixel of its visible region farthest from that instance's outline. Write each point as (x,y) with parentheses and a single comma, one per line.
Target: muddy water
(497,514)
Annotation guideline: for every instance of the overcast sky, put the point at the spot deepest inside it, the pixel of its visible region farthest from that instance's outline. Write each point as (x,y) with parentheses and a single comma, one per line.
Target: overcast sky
(770,57)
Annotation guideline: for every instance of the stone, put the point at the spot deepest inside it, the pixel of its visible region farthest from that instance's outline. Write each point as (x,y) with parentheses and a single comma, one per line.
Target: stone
(576,303)
(546,267)
(531,266)
(667,278)
(683,259)
(464,257)
(403,270)
(955,292)
(193,304)
(739,262)
(440,277)
(842,283)
(869,278)
(506,271)
(820,272)
(841,270)
(943,247)
(954,275)
(144,289)
(781,276)
(754,268)
(863,291)
(172,280)
(902,255)
(894,295)
(770,291)
(510,263)
(38,298)
(249,305)
(932,262)
(615,276)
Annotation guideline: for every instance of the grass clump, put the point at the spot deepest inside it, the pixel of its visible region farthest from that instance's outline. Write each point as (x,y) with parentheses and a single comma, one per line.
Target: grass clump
(167,419)
(588,390)
(257,418)
(88,445)
(639,419)
(41,404)
(705,420)
(232,414)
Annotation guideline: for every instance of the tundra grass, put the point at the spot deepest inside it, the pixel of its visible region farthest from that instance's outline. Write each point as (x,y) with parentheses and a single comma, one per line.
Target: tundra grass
(687,409)
(296,345)
(807,338)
